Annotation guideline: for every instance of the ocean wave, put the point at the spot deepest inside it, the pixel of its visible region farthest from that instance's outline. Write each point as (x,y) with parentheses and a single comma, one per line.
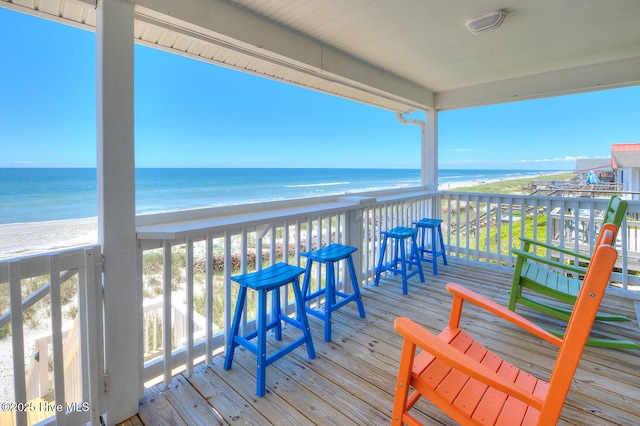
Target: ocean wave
(305,185)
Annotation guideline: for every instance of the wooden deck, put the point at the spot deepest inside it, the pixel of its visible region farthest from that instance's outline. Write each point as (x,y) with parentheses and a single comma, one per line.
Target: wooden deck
(353,377)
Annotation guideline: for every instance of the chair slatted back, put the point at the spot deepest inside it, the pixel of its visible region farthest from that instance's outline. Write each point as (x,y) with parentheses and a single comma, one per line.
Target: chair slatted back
(580,323)
(615,212)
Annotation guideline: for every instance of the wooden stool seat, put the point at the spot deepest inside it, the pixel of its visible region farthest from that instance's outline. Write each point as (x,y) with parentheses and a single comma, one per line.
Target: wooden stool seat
(400,264)
(433,225)
(268,279)
(329,256)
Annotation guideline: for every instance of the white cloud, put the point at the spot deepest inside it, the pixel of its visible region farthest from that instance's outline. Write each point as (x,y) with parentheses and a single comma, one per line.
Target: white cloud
(567,158)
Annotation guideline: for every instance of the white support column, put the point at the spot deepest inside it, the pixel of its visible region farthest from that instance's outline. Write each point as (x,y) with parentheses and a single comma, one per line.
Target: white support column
(116,206)
(429,161)
(430,151)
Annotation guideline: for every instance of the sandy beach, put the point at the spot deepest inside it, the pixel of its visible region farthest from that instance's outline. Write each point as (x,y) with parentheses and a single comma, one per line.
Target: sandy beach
(475,182)
(23,239)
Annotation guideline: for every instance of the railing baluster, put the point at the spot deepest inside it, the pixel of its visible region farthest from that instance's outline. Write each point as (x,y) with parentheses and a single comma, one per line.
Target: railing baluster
(166,313)
(576,226)
(298,236)
(272,246)
(17,340)
(625,254)
(468,223)
(227,270)
(510,241)
(208,298)
(244,268)
(144,332)
(190,306)
(367,247)
(285,258)
(56,337)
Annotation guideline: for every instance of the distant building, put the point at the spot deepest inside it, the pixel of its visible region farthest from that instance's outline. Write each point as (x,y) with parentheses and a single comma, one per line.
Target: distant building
(601,167)
(625,159)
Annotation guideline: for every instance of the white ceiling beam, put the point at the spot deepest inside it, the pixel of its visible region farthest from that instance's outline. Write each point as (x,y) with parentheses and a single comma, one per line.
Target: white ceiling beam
(229,24)
(609,75)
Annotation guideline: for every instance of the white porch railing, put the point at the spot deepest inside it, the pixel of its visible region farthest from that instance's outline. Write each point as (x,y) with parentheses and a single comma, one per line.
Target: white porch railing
(484,227)
(211,245)
(186,260)
(66,386)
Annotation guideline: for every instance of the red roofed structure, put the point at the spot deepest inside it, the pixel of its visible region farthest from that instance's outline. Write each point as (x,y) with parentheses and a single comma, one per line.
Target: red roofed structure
(625,158)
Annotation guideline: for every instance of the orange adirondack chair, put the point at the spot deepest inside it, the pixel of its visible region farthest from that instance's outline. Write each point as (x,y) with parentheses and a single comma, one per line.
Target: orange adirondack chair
(473,385)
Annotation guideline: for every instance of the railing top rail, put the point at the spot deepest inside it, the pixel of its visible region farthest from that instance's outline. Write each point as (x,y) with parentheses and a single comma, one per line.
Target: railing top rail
(175,228)
(35,265)
(604,199)
(587,202)
(406,196)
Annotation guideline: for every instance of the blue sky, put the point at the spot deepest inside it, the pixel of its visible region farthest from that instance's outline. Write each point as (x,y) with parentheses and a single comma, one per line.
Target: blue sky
(194,114)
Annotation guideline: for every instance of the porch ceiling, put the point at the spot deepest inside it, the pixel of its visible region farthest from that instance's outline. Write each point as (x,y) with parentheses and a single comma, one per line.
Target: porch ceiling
(398,55)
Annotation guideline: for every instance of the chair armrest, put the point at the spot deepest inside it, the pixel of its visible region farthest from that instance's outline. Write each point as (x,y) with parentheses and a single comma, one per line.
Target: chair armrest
(487,304)
(458,360)
(554,248)
(550,262)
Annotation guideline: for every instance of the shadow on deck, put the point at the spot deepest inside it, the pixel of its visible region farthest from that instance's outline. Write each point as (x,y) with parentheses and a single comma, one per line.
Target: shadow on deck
(353,377)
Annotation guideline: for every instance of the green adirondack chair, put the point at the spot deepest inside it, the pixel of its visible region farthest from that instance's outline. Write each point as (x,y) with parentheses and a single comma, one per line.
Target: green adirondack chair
(544,277)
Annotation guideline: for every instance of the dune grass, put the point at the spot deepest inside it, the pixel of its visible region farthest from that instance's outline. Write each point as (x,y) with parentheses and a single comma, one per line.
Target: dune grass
(513,186)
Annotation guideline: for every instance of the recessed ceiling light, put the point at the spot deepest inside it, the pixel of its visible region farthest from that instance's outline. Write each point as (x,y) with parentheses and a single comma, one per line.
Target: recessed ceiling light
(486,22)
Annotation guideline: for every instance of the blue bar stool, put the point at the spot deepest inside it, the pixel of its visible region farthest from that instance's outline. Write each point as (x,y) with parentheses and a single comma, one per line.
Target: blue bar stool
(400,264)
(434,226)
(329,256)
(268,279)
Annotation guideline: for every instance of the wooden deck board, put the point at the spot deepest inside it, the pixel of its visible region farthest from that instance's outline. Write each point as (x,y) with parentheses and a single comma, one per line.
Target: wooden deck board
(353,377)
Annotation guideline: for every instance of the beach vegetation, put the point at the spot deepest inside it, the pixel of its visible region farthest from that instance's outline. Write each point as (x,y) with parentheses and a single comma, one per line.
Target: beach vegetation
(71,311)
(5,331)
(513,186)
(34,316)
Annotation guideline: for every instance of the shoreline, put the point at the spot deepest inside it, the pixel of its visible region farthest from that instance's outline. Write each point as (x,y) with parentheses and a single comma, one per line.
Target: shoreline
(475,182)
(24,239)
(28,238)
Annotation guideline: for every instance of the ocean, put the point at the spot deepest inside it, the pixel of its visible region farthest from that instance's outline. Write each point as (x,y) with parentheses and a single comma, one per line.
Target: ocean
(34,195)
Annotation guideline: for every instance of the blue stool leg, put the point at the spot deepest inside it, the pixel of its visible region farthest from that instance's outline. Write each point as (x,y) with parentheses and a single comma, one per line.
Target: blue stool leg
(356,287)
(415,252)
(331,271)
(398,256)
(330,299)
(275,312)
(235,327)
(444,255)
(302,318)
(261,369)
(307,280)
(403,264)
(379,268)
(434,251)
